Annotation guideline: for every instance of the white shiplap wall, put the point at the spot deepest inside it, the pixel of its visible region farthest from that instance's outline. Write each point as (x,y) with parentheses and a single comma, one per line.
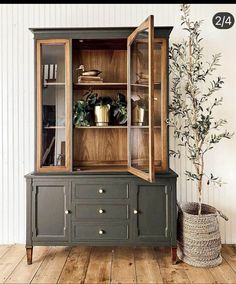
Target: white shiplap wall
(17,97)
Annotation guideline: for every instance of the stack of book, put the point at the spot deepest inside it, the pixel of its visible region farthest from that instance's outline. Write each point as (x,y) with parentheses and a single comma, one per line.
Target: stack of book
(90,79)
(142,81)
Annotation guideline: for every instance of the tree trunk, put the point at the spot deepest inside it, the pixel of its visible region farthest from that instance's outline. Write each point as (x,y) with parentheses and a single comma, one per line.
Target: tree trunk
(200,196)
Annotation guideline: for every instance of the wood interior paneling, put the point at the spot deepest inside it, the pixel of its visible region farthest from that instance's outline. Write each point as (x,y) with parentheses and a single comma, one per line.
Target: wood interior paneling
(139,149)
(116,43)
(80,94)
(112,63)
(100,147)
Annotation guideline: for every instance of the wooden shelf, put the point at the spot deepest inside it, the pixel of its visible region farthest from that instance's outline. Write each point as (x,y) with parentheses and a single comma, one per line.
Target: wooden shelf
(54,127)
(101,127)
(143,127)
(107,85)
(93,169)
(54,84)
(114,127)
(156,85)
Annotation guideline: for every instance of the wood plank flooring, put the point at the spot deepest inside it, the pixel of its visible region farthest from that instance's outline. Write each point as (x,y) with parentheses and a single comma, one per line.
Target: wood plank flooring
(108,265)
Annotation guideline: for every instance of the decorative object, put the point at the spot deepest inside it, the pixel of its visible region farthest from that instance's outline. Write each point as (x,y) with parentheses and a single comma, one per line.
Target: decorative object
(119,109)
(88,76)
(137,115)
(142,78)
(101,106)
(199,242)
(138,110)
(192,117)
(102,114)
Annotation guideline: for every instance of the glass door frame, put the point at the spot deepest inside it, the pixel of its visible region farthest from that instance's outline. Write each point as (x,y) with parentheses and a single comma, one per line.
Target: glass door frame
(68,106)
(147,24)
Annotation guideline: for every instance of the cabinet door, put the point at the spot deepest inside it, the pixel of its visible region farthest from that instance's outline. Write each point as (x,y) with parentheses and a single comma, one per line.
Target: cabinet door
(152,215)
(50,208)
(53,106)
(140,101)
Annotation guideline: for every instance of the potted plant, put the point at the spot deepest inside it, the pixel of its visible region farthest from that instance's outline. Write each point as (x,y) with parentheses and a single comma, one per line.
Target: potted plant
(119,109)
(194,99)
(138,110)
(81,113)
(101,107)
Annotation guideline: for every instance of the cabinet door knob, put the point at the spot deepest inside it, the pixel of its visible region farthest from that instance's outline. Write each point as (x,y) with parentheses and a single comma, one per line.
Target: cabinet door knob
(101,232)
(101,211)
(67,212)
(101,190)
(135,211)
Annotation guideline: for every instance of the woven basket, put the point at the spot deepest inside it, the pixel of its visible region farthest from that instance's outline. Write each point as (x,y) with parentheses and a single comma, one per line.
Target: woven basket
(198,237)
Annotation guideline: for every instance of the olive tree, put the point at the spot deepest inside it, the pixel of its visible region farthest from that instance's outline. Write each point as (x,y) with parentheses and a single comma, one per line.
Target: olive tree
(194,98)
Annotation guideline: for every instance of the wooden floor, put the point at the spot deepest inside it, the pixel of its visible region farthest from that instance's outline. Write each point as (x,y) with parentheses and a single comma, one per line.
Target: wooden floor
(108,265)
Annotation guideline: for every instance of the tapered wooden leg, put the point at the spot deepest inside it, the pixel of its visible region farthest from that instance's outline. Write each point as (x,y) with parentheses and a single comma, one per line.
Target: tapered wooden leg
(29,254)
(174,255)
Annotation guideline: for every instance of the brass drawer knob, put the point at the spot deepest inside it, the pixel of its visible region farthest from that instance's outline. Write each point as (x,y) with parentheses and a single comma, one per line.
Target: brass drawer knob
(67,212)
(101,232)
(135,211)
(101,211)
(101,190)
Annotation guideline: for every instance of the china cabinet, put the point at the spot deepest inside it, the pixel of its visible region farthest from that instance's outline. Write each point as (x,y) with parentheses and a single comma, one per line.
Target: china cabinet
(107,183)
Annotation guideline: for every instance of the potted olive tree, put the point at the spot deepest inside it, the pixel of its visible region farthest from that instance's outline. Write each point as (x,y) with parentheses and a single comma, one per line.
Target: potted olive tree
(194,98)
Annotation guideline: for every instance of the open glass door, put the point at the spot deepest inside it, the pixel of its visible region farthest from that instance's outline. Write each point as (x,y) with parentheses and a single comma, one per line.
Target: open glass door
(140,101)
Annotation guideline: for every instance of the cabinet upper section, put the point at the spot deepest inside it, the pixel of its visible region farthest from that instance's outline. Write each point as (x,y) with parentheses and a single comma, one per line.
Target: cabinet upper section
(102,99)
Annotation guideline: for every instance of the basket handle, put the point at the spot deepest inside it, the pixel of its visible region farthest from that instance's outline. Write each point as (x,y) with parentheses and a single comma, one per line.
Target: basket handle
(222,215)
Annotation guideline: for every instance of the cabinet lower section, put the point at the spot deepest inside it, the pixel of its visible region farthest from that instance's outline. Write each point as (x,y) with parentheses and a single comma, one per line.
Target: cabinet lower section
(111,209)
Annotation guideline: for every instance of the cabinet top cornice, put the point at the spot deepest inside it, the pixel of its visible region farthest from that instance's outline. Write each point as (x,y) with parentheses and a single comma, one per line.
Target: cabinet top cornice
(94,32)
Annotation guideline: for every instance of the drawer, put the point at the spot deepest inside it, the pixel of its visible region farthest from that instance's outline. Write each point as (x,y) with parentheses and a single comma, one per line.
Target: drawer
(100,211)
(94,231)
(101,191)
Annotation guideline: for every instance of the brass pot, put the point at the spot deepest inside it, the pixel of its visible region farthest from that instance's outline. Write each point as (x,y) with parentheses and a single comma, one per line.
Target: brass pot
(137,115)
(102,114)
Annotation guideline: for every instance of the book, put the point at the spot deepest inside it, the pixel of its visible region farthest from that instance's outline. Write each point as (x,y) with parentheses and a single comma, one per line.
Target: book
(51,69)
(89,79)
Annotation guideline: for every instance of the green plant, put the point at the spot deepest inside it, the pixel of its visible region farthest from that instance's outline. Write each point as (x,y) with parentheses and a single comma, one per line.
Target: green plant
(81,113)
(93,99)
(119,109)
(137,100)
(194,101)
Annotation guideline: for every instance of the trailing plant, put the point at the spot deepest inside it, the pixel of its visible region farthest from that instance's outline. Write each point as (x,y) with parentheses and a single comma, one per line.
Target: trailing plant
(194,100)
(119,109)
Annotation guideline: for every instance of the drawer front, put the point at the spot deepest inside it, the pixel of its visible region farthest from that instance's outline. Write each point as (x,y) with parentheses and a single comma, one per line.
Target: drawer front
(101,211)
(101,191)
(94,231)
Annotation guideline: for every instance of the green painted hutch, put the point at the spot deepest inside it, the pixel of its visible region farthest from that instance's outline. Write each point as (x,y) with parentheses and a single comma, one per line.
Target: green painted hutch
(101,185)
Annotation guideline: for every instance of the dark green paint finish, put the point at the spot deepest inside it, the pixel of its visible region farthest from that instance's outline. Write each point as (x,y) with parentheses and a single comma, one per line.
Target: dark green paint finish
(48,196)
(100,211)
(100,232)
(49,201)
(86,175)
(153,205)
(100,191)
(93,33)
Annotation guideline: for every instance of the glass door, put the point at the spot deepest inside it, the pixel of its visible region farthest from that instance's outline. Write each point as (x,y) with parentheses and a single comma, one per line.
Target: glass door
(140,101)
(53,106)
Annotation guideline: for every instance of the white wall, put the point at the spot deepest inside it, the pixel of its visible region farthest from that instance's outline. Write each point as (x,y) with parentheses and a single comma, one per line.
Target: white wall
(17,97)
